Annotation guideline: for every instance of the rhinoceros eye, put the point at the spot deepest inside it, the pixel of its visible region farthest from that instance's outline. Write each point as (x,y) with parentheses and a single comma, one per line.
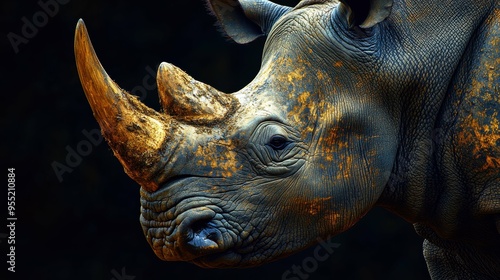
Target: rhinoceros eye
(278,142)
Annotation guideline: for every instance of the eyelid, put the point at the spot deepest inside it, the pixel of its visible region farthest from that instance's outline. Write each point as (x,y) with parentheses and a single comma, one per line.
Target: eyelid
(280,135)
(278,130)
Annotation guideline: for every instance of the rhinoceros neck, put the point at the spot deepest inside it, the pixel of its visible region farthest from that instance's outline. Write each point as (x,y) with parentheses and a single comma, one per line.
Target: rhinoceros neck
(431,58)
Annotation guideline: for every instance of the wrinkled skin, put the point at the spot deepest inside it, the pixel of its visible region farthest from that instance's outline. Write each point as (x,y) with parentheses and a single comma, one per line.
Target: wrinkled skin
(394,104)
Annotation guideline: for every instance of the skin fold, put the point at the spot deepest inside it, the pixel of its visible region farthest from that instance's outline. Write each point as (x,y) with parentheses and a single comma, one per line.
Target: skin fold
(357,104)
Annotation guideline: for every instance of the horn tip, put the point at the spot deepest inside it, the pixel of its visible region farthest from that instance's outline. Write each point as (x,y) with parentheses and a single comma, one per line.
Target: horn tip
(165,68)
(80,27)
(164,64)
(162,68)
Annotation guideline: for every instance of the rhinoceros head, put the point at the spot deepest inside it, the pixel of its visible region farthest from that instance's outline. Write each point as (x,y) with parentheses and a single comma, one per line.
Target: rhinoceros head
(302,152)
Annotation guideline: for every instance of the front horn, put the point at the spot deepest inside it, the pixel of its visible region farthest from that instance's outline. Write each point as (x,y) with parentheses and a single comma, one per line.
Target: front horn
(138,135)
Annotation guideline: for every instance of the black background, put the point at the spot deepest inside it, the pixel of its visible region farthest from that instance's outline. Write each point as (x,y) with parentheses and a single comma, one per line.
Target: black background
(87,225)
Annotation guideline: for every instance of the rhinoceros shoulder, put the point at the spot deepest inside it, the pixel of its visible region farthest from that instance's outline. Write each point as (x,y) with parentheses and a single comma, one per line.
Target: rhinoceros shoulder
(469,132)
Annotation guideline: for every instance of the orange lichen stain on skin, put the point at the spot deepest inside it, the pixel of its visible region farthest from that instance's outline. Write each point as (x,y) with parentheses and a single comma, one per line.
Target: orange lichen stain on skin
(303,106)
(303,97)
(314,206)
(491,162)
(320,75)
(345,167)
(332,218)
(222,162)
(333,142)
(488,140)
(484,140)
(479,127)
(296,75)
(329,156)
(329,146)
(303,62)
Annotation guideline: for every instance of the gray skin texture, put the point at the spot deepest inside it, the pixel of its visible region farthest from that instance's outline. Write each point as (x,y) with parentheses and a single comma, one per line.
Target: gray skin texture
(393,105)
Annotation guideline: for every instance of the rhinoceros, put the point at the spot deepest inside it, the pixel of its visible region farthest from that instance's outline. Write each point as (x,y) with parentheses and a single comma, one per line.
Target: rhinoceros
(391,103)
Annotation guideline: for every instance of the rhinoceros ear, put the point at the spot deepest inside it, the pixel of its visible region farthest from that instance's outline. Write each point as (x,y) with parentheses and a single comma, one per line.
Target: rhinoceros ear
(246,20)
(366,13)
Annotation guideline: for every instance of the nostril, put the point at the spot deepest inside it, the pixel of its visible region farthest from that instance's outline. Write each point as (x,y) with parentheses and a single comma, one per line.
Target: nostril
(198,233)
(204,236)
(198,226)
